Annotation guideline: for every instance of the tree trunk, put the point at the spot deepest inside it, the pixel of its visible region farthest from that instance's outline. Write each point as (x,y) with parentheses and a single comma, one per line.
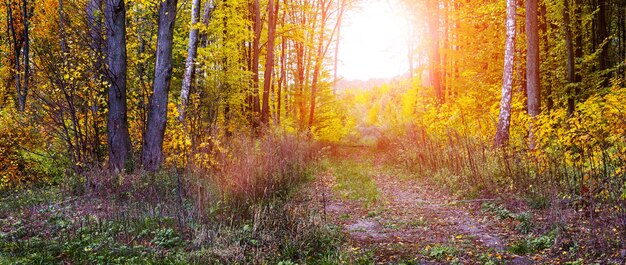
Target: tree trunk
(62,29)
(269,60)
(118,138)
(545,47)
(152,153)
(533,89)
(256,50)
(602,34)
(571,58)
(192,50)
(504,120)
(283,74)
(435,58)
(17,42)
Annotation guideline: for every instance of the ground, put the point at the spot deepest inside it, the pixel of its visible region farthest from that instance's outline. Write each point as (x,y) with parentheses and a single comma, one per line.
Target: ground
(358,208)
(408,219)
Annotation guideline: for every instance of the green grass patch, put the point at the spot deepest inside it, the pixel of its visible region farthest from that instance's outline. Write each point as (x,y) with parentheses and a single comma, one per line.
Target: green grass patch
(354,182)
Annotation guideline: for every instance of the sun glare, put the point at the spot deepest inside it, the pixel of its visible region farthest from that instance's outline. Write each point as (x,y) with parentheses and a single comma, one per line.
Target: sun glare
(374,41)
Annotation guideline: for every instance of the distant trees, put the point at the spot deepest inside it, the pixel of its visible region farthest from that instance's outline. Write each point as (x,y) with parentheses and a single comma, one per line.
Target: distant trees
(573,49)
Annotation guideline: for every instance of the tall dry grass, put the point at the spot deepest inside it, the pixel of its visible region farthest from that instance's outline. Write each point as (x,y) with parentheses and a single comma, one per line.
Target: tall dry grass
(581,186)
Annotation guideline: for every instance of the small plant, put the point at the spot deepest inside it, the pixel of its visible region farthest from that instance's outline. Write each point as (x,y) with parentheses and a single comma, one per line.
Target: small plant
(166,238)
(499,210)
(538,202)
(440,252)
(542,242)
(377,212)
(416,223)
(524,219)
(533,244)
(525,225)
(520,248)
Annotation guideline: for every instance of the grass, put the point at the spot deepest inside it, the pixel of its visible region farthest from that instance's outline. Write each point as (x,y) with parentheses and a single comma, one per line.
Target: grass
(533,244)
(114,230)
(354,182)
(254,209)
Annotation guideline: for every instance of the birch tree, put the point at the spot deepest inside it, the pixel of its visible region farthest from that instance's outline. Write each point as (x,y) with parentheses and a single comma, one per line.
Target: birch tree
(504,120)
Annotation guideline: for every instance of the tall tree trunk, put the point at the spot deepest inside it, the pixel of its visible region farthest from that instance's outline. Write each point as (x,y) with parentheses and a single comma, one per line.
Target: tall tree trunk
(342,6)
(504,120)
(435,58)
(26,53)
(532,65)
(152,153)
(256,50)
(571,57)
(543,31)
(118,138)
(602,35)
(269,60)
(62,29)
(192,50)
(283,74)
(94,25)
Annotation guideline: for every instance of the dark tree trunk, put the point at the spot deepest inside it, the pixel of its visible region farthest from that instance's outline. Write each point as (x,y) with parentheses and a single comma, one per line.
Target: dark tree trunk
(152,153)
(17,47)
(256,50)
(26,53)
(571,57)
(602,35)
(118,138)
(543,31)
(283,75)
(269,60)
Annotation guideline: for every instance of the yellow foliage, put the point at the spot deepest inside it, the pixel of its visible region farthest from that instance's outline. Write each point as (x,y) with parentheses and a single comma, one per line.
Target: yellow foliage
(16,135)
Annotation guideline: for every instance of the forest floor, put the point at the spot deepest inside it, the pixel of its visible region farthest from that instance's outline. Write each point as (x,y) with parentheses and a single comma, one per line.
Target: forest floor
(403,219)
(360,208)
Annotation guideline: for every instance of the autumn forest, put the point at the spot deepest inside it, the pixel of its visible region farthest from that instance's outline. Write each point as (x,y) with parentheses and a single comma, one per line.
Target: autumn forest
(312,132)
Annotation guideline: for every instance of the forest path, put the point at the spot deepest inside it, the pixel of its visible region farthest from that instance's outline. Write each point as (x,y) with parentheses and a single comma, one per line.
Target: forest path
(400,219)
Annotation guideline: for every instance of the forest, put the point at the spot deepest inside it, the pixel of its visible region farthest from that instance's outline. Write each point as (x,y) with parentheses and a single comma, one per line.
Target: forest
(225,132)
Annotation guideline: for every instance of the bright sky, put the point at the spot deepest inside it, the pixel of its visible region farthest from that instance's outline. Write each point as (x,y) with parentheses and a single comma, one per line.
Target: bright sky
(373,41)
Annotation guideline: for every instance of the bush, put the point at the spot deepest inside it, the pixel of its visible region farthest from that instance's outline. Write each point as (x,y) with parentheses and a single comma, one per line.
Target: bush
(19,164)
(241,169)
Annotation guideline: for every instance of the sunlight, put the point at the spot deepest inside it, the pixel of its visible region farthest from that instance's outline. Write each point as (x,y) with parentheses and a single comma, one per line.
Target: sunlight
(374,41)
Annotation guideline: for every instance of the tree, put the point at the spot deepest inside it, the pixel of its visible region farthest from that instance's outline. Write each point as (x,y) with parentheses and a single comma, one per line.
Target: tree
(18,13)
(571,57)
(434,56)
(504,120)
(532,64)
(269,60)
(192,51)
(152,153)
(118,138)
(256,53)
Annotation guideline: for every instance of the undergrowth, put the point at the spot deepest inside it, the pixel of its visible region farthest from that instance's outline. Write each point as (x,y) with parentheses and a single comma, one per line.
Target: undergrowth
(250,207)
